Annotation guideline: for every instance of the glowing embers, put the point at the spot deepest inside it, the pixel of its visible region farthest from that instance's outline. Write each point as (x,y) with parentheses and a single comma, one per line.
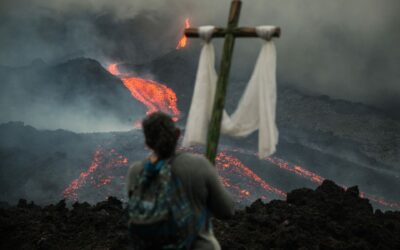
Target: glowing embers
(102,171)
(242,182)
(183,41)
(155,96)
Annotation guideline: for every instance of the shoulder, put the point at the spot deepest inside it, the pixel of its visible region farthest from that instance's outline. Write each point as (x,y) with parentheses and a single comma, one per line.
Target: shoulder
(194,163)
(133,171)
(192,158)
(135,168)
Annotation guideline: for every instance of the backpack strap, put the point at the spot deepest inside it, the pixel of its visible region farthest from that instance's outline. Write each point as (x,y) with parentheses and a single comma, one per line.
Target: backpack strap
(201,224)
(151,170)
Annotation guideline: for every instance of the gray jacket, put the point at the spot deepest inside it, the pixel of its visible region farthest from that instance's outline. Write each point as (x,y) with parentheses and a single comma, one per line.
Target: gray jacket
(204,190)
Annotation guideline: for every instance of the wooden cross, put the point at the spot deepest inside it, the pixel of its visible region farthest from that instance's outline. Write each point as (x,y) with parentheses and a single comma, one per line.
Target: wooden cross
(230,33)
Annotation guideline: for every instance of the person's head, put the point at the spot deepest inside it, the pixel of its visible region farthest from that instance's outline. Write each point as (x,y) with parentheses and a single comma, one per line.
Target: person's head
(160,134)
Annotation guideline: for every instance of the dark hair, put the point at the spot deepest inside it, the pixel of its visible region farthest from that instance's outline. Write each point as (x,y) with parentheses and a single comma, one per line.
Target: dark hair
(160,134)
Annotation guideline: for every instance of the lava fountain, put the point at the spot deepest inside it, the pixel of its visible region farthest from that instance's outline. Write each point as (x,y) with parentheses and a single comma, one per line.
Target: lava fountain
(183,41)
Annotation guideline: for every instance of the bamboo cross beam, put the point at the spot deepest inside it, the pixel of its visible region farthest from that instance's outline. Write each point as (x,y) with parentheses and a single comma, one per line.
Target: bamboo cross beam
(230,33)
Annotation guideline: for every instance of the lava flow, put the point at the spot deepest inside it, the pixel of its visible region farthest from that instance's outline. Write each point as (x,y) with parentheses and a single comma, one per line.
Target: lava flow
(313,177)
(107,172)
(242,181)
(155,96)
(108,169)
(183,41)
(101,172)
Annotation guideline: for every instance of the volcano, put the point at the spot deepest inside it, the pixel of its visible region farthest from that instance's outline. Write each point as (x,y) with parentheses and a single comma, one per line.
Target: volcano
(319,137)
(342,146)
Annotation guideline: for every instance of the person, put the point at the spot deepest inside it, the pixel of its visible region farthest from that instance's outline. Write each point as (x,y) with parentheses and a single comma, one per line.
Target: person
(198,176)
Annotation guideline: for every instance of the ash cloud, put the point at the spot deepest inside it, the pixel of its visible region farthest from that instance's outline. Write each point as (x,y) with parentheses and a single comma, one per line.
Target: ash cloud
(343,49)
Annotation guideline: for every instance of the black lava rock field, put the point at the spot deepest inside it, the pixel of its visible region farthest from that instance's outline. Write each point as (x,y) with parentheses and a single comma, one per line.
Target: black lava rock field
(328,217)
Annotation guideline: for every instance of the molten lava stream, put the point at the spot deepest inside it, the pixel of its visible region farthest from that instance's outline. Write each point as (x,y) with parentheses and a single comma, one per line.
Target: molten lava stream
(99,172)
(230,164)
(155,96)
(70,191)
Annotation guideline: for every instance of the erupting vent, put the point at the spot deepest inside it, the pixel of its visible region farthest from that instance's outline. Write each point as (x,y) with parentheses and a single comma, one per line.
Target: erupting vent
(182,43)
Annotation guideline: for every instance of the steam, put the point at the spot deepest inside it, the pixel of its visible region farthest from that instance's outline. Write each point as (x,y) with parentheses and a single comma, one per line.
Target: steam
(78,117)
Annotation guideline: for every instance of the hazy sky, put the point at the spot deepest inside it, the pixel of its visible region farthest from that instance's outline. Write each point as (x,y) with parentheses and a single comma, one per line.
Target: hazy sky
(343,48)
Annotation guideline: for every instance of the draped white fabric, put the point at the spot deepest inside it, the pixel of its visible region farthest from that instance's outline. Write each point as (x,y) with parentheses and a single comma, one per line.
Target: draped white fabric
(256,108)
(203,95)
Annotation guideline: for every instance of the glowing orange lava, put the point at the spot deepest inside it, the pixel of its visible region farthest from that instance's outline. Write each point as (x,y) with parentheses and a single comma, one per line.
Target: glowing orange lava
(183,41)
(113,69)
(70,191)
(104,161)
(247,180)
(313,177)
(155,96)
(241,181)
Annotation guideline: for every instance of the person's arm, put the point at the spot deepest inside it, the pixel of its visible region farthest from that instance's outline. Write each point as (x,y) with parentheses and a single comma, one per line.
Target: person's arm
(133,171)
(219,199)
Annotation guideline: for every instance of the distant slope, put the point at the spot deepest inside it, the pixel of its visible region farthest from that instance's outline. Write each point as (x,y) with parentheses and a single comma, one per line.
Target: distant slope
(77,94)
(40,164)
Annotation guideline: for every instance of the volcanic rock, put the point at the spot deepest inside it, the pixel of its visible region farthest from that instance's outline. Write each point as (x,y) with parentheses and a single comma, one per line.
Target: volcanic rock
(328,217)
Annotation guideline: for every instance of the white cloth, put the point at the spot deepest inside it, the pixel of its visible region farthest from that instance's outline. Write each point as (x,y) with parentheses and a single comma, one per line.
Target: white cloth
(203,95)
(256,108)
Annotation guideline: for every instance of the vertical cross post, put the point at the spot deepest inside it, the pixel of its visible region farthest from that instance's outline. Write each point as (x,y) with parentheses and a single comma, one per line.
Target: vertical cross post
(222,83)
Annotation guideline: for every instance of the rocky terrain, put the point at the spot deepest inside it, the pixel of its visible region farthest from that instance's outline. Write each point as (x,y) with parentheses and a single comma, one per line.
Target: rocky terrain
(328,217)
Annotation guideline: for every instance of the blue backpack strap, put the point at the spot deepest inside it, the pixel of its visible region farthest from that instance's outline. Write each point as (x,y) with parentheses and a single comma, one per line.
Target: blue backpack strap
(201,224)
(151,169)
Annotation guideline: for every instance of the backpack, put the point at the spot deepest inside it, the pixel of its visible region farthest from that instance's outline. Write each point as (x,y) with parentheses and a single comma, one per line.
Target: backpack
(160,214)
